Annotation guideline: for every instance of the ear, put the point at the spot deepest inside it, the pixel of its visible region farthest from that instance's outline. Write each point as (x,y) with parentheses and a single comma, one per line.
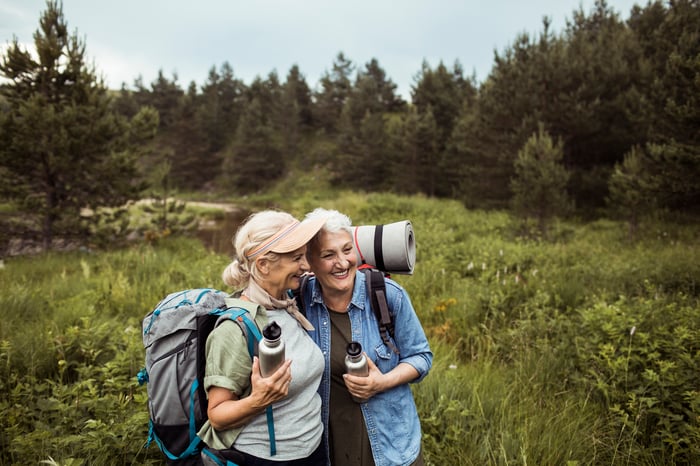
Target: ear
(263,265)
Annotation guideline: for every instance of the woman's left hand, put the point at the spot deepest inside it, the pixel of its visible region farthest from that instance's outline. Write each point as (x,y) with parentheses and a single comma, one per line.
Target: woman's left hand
(365,388)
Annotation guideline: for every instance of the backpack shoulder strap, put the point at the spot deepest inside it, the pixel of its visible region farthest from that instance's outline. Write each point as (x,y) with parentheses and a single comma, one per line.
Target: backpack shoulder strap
(241,317)
(298,294)
(377,288)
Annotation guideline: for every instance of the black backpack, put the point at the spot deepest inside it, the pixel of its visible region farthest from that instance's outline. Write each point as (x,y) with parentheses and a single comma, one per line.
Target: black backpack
(174,337)
(380,306)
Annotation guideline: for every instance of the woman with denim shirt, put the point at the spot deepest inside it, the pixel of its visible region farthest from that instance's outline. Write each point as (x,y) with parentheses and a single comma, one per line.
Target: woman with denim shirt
(384,428)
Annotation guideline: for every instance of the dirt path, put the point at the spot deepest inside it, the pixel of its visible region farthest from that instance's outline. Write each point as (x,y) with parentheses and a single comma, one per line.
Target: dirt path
(227,207)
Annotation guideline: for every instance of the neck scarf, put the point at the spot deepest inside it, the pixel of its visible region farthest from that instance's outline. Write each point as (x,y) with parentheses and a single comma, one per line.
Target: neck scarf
(258,295)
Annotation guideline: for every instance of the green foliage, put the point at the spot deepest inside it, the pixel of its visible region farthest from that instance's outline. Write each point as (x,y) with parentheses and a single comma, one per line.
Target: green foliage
(70,348)
(255,160)
(539,185)
(641,357)
(629,189)
(602,86)
(534,362)
(62,147)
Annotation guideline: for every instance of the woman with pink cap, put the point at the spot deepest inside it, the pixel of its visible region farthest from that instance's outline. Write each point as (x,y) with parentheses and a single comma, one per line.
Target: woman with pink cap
(270,258)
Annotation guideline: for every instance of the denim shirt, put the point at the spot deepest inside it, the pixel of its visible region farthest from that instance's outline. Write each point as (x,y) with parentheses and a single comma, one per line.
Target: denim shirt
(391,417)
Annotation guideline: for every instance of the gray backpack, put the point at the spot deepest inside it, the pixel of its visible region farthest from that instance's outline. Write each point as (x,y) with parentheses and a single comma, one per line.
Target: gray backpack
(174,336)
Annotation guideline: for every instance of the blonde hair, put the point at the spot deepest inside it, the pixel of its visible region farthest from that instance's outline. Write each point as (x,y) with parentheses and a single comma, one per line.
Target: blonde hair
(256,229)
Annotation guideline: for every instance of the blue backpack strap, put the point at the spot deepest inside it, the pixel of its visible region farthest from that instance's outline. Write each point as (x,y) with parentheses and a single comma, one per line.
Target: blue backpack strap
(216,459)
(248,327)
(191,448)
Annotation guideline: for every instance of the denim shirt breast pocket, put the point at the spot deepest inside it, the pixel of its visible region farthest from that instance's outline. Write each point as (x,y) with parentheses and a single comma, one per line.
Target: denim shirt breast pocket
(385,359)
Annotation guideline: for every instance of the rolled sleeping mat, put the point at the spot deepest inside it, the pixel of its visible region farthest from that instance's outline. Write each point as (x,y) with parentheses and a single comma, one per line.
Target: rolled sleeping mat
(391,248)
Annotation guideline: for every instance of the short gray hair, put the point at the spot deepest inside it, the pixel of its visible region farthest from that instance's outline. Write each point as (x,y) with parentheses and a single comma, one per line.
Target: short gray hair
(335,221)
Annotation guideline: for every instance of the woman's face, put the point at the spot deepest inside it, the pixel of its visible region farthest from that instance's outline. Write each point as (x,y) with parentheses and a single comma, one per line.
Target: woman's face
(334,262)
(285,273)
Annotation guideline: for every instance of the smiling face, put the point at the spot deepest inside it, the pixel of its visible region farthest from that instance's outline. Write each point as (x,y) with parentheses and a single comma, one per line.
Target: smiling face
(334,262)
(284,273)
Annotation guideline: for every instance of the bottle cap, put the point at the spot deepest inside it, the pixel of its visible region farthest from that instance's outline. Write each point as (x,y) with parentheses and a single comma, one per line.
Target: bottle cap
(354,348)
(272,331)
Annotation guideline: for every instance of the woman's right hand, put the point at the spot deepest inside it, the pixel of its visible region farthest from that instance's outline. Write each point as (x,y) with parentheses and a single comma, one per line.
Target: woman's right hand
(227,411)
(267,390)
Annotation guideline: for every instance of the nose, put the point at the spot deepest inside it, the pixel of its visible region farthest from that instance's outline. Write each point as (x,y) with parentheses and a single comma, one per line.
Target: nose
(304,264)
(343,262)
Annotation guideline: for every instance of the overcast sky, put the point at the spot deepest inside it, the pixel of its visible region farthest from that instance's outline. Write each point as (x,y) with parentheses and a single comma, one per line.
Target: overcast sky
(128,38)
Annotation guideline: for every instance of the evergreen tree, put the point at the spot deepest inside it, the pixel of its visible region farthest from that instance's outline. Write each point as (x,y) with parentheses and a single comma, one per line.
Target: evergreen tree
(419,167)
(297,98)
(630,194)
(674,141)
(485,166)
(62,147)
(255,158)
(371,161)
(166,97)
(221,106)
(606,75)
(443,93)
(269,93)
(336,88)
(539,184)
(373,93)
(192,164)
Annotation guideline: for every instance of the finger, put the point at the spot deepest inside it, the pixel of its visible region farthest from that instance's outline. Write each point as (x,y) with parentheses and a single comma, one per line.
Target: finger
(283,372)
(256,367)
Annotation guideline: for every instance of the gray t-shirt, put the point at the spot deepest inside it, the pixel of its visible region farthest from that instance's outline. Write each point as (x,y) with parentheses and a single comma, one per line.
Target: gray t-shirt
(297,418)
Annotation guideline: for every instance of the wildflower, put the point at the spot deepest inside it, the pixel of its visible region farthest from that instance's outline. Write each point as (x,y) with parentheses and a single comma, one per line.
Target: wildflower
(470,266)
(500,251)
(483,266)
(633,329)
(452,366)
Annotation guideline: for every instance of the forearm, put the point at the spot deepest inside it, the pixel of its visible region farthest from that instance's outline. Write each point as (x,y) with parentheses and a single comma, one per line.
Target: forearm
(232,412)
(399,375)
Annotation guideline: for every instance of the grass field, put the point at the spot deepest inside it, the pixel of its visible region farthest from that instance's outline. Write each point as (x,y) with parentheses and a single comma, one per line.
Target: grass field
(579,350)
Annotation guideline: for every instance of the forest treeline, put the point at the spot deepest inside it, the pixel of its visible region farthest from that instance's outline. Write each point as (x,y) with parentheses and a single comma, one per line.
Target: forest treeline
(602,116)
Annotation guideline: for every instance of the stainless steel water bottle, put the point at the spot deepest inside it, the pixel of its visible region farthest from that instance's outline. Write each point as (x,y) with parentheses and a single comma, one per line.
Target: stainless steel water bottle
(271,349)
(356,362)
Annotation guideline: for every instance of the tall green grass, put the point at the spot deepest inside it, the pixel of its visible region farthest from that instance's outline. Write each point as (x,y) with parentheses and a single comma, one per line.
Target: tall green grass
(580,350)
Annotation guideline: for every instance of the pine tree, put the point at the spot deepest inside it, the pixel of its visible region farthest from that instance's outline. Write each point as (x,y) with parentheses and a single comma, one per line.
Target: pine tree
(63,147)
(297,108)
(539,184)
(336,88)
(630,193)
(373,92)
(674,147)
(418,168)
(255,158)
